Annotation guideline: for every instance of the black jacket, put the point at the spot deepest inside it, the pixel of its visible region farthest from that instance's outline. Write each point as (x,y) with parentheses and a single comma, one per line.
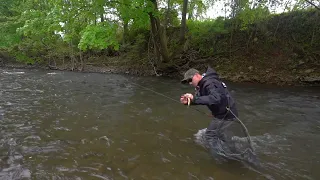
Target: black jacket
(214,93)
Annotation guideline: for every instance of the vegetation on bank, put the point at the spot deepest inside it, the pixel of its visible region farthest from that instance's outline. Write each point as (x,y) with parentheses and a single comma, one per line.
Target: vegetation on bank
(250,43)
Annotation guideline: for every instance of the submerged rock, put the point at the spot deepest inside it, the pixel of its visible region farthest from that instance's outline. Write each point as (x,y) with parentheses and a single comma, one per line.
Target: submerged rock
(311,79)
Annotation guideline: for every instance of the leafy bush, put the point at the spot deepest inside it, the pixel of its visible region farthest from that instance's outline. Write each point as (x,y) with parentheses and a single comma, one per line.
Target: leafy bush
(100,36)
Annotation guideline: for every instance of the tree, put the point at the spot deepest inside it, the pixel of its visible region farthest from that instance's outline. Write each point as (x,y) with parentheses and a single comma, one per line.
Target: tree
(159,37)
(183,21)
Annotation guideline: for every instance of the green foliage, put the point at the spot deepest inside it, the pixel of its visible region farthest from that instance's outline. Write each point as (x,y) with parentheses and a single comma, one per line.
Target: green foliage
(197,8)
(138,49)
(38,25)
(9,37)
(34,30)
(99,37)
(9,23)
(203,28)
(200,32)
(21,57)
(250,16)
(172,17)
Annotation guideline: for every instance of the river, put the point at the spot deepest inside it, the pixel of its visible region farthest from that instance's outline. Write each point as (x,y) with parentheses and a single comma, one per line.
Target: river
(68,125)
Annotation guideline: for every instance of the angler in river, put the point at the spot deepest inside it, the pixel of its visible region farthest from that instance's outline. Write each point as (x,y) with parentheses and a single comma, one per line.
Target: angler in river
(226,136)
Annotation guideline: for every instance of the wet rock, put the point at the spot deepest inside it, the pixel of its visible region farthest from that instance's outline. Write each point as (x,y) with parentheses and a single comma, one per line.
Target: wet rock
(240,78)
(268,70)
(108,141)
(236,77)
(84,141)
(294,55)
(308,71)
(148,110)
(33,138)
(312,79)
(1,113)
(301,62)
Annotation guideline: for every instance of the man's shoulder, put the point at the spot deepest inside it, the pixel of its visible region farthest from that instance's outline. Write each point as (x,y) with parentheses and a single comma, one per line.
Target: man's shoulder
(213,81)
(218,84)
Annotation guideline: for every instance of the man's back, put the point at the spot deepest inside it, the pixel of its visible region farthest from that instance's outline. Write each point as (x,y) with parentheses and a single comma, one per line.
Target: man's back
(219,97)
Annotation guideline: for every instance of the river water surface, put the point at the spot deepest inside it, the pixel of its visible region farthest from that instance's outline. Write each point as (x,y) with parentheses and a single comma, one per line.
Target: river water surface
(66,125)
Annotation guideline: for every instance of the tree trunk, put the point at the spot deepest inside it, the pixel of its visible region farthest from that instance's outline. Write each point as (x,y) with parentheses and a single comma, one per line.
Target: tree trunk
(190,15)
(163,42)
(72,58)
(166,20)
(154,35)
(101,17)
(231,36)
(82,62)
(159,35)
(63,62)
(183,21)
(249,39)
(125,31)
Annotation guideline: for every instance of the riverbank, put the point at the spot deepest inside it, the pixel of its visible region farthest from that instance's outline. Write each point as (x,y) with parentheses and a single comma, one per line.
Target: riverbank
(252,73)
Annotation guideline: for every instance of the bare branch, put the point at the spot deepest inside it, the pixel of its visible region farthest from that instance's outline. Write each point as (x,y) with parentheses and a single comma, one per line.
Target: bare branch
(313,4)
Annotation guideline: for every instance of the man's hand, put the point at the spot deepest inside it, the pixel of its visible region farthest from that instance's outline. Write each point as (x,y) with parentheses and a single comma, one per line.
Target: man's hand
(184,98)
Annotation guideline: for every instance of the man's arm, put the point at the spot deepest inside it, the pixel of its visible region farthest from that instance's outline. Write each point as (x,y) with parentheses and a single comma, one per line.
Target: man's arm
(213,97)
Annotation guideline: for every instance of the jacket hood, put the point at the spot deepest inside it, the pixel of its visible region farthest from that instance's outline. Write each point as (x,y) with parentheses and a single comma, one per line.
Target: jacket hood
(209,74)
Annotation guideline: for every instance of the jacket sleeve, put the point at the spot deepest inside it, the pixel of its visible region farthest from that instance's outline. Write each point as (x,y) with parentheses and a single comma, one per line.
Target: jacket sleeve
(212,98)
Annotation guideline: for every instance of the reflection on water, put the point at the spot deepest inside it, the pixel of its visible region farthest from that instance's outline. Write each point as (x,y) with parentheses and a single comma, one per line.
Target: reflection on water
(65,125)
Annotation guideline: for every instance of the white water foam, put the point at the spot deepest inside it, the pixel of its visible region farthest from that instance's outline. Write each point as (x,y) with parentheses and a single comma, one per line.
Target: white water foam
(6,72)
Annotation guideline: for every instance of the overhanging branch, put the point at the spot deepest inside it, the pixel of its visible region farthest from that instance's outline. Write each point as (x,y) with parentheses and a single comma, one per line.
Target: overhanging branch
(313,4)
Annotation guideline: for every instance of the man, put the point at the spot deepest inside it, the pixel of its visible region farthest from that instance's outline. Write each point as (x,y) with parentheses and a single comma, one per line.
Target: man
(220,136)
(210,91)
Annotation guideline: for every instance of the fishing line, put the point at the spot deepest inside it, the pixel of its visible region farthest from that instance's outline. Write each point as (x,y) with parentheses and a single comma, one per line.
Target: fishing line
(170,98)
